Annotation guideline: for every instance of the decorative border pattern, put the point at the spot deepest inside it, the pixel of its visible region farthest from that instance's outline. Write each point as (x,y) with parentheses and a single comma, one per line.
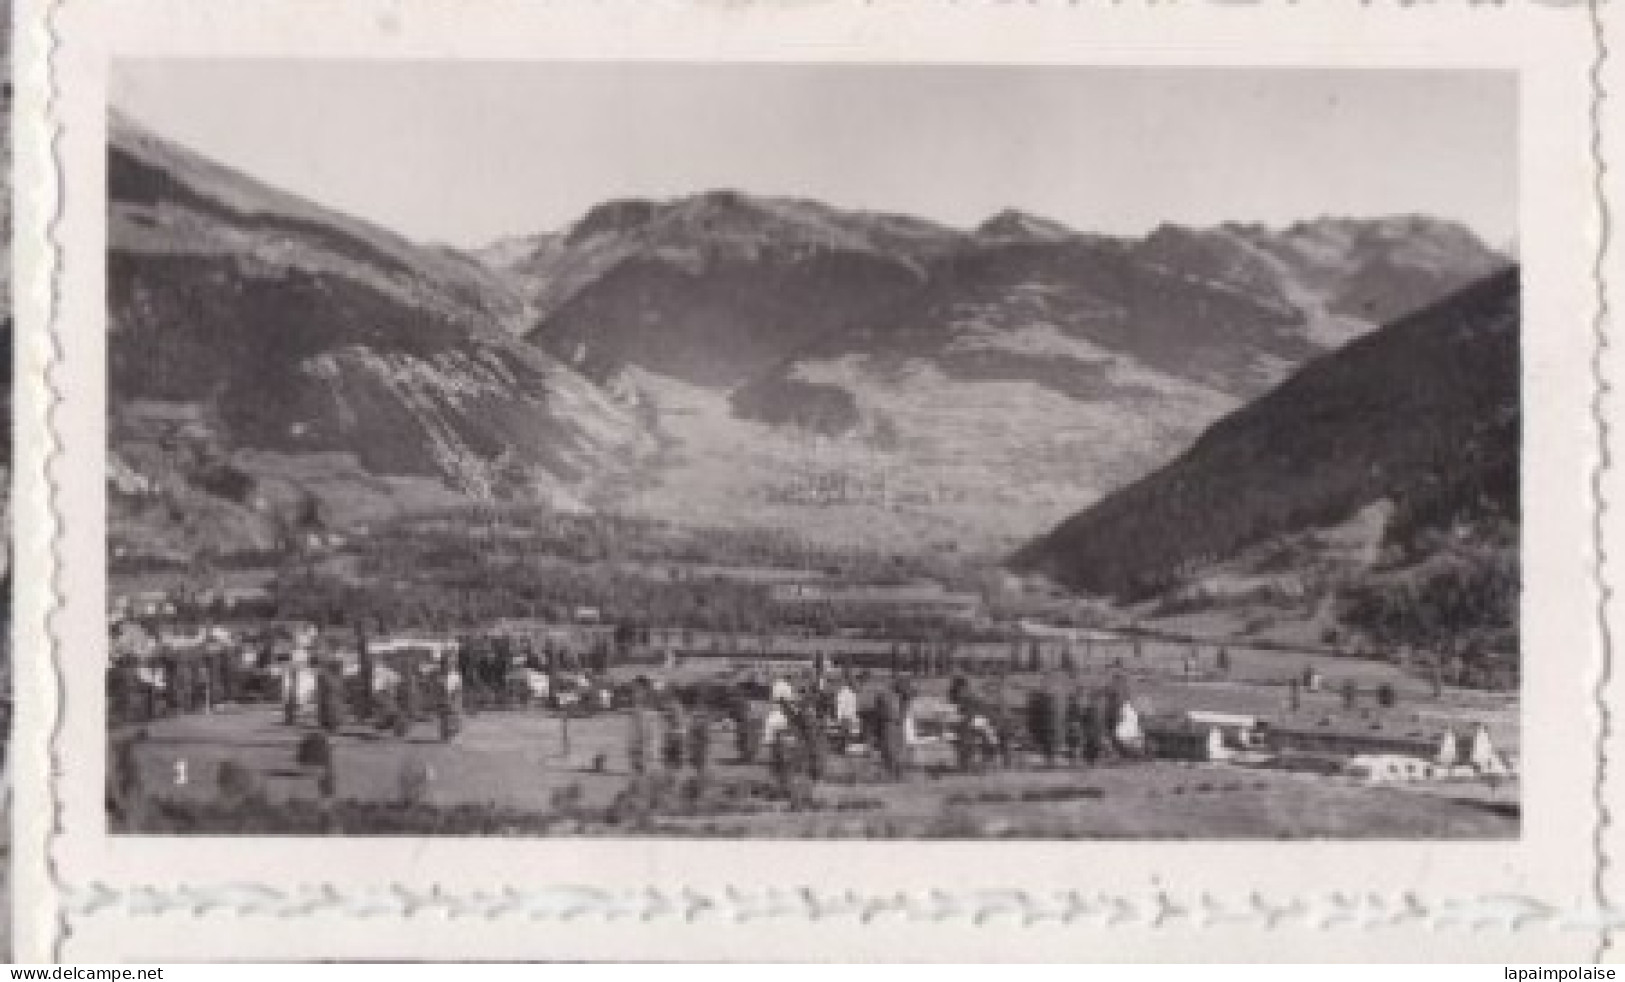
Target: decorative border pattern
(1157,909)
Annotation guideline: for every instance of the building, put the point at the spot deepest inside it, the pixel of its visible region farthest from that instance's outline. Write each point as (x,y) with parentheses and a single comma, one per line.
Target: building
(1181,738)
(131,640)
(1479,754)
(237,599)
(1201,734)
(1127,730)
(1349,739)
(1238,730)
(143,603)
(1378,755)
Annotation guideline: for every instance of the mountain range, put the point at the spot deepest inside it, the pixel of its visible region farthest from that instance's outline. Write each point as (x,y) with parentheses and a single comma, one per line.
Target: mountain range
(720,359)
(881,376)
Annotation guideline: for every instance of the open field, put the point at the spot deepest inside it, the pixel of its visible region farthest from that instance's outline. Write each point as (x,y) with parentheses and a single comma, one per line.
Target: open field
(515,764)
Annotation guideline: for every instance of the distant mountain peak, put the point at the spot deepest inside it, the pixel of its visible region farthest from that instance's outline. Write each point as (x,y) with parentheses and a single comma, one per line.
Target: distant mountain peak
(725,198)
(619,215)
(1012,223)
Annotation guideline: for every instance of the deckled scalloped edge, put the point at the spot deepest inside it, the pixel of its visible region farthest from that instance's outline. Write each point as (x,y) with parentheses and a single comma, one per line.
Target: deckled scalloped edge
(1597,75)
(42,21)
(1332,911)
(1505,911)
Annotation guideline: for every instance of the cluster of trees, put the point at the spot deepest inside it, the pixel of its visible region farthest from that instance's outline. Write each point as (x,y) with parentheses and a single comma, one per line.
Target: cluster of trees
(452,538)
(441,600)
(553,593)
(440,571)
(1455,607)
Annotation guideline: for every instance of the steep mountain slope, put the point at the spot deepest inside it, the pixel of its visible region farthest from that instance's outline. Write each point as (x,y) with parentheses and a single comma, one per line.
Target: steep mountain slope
(1013,225)
(263,349)
(1061,313)
(1028,372)
(1405,442)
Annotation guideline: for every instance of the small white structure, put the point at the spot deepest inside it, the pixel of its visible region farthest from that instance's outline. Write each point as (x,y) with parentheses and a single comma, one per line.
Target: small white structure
(132,640)
(928,719)
(152,674)
(846,708)
(1482,755)
(299,684)
(1449,761)
(1448,749)
(1385,768)
(1128,731)
(384,679)
(1238,729)
(176,640)
(538,684)
(774,723)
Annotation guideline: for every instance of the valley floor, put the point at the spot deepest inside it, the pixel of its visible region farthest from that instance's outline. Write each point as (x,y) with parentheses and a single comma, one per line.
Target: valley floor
(978,474)
(514,768)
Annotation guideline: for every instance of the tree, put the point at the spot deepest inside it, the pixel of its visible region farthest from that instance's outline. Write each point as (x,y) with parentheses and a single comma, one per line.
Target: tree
(1041,717)
(368,669)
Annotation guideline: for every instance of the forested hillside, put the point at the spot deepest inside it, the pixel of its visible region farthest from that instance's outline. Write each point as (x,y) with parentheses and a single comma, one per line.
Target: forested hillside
(1415,426)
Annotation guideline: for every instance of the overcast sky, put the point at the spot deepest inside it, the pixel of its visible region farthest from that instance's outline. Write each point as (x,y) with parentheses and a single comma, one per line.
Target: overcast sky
(467,152)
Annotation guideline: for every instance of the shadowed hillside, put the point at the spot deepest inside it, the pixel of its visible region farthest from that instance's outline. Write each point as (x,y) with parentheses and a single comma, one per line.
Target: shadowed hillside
(268,357)
(1422,415)
(714,288)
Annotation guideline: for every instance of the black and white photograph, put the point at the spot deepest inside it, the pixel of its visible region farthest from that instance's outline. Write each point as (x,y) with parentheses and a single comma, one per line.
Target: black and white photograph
(804,451)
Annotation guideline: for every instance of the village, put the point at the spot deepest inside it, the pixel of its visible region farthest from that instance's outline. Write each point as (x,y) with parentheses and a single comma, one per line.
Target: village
(901,706)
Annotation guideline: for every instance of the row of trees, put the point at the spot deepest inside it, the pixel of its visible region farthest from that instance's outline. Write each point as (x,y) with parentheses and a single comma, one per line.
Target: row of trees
(455,539)
(1454,608)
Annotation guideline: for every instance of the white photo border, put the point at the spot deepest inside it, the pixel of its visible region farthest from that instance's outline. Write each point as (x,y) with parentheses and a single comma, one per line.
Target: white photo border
(1536,898)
